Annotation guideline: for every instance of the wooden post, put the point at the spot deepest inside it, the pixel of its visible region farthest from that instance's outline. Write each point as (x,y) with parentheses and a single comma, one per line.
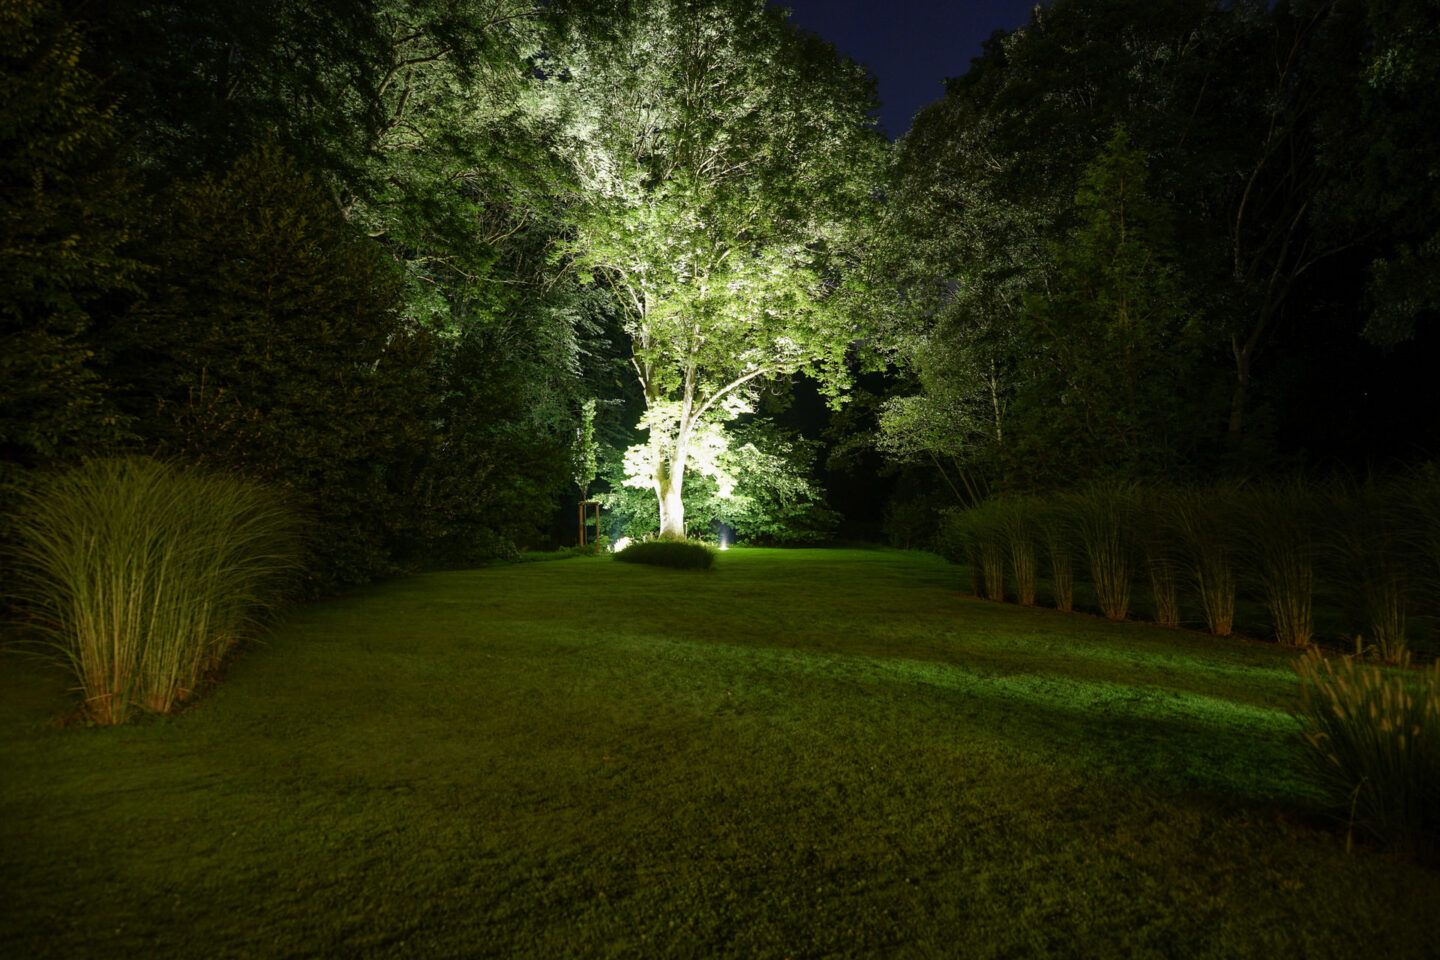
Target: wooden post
(585,515)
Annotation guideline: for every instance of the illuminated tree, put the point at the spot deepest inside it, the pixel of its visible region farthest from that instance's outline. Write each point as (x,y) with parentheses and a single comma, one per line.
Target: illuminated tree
(762,490)
(724,159)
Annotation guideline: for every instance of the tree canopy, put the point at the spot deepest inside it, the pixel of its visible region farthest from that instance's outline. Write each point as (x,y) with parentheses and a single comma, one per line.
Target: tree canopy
(1262,134)
(722,158)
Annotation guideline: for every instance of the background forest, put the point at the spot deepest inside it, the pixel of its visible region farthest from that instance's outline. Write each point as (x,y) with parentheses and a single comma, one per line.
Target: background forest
(355,250)
(1172,241)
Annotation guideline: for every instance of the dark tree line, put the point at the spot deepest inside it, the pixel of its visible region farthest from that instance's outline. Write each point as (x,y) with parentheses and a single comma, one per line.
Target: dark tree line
(1170,239)
(340,247)
(306,243)
(368,250)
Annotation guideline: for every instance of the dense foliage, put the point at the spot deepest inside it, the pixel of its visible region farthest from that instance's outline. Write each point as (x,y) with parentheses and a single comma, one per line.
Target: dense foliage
(413,263)
(1169,238)
(326,270)
(268,345)
(64,213)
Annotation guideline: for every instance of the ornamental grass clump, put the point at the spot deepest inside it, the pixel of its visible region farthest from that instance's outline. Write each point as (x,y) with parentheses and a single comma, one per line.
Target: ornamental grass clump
(1374,738)
(1104,524)
(1016,518)
(145,575)
(1058,536)
(1159,541)
(1278,523)
(1205,551)
(1365,532)
(987,523)
(675,554)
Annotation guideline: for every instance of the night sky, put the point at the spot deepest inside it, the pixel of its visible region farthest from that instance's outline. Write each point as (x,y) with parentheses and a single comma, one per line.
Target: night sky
(911,45)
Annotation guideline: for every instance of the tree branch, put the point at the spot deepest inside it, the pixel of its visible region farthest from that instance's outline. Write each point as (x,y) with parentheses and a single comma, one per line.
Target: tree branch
(730,387)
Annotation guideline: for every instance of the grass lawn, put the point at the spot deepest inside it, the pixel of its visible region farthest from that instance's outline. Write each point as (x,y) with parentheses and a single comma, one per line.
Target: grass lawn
(799,753)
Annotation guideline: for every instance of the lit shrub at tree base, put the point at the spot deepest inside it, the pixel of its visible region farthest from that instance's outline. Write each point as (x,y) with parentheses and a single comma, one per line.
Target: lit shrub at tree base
(676,554)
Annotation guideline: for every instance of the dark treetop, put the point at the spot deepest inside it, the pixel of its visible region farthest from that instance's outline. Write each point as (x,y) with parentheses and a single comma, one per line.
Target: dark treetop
(910,45)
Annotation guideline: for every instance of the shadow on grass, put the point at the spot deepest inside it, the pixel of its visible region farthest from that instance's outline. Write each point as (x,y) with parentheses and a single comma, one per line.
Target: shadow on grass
(1169,740)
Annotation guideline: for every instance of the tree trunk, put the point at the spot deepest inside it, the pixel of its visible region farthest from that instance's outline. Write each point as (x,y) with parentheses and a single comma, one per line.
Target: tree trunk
(668,485)
(1244,355)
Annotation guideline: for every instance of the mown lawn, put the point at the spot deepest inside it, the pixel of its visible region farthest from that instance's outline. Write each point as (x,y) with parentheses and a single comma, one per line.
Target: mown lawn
(800,753)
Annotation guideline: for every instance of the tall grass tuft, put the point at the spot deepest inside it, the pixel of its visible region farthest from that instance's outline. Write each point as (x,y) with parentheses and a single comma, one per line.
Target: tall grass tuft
(1058,535)
(1159,540)
(1104,522)
(990,535)
(1374,737)
(1202,527)
(145,575)
(1017,522)
(1279,522)
(1364,534)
